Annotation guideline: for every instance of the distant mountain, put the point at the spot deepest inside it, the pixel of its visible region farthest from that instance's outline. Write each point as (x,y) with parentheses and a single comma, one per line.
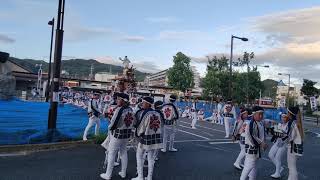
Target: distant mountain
(79,68)
(270,88)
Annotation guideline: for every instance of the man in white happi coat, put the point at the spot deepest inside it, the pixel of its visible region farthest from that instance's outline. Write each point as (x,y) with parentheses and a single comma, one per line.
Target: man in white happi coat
(254,144)
(94,116)
(120,130)
(279,146)
(171,116)
(229,114)
(220,111)
(149,134)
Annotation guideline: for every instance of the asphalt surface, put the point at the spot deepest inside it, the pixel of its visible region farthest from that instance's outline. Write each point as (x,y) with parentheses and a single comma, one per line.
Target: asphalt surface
(203,154)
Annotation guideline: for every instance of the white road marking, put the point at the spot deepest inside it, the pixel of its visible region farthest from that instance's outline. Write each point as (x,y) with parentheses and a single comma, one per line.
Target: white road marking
(211,147)
(232,151)
(195,129)
(218,130)
(210,140)
(225,142)
(23,153)
(193,134)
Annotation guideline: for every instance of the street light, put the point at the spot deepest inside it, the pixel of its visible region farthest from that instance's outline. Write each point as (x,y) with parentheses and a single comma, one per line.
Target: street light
(265,66)
(284,74)
(231,56)
(51,23)
(53,110)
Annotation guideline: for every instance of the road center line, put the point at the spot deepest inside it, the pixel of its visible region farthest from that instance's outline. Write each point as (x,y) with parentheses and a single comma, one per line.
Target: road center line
(193,134)
(225,142)
(202,140)
(204,127)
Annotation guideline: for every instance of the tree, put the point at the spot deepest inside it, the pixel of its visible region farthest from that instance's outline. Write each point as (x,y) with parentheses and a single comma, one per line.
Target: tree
(308,88)
(270,88)
(215,82)
(180,75)
(240,86)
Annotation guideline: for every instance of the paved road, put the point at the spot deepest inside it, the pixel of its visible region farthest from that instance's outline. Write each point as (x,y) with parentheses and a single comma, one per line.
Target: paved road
(203,155)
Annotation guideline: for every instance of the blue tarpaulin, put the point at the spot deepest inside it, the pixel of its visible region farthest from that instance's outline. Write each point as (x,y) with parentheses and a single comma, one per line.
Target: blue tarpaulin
(23,121)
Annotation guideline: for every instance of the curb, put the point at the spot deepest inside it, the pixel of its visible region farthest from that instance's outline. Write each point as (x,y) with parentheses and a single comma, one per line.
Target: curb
(30,148)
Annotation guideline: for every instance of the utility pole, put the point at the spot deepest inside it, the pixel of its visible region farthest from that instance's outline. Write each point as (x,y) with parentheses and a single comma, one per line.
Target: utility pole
(51,23)
(52,120)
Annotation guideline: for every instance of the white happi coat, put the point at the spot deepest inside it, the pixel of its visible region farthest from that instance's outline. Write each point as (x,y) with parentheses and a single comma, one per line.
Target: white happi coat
(149,130)
(170,114)
(122,121)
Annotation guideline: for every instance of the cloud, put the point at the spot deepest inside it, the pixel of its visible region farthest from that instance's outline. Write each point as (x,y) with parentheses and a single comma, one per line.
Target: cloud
(79,32)
(6,39)
(296,25)
(292,41)
(133,38)
(204,59)
(108,60)
(162,19)
(148,66)
(184,35)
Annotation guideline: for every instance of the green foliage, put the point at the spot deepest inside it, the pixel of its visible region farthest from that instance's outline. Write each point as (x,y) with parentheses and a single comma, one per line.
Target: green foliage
(99,138)
(77,68)
(180,76)
(270,88)
(240,86)
(215,82)
(308,88)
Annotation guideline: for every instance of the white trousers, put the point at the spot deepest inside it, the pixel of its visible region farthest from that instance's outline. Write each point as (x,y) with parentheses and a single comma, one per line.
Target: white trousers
(169,131)
(250,167)
(241,155)
(227,125)
(140,161)
(93,120)
(115,146)
(275,154)
(193,123)
(292,165)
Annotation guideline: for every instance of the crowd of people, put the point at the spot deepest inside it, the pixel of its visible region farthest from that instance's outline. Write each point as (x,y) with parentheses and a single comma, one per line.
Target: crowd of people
(150,127)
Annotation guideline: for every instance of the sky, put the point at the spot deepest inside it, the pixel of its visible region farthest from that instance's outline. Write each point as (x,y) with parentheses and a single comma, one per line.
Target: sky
(283,34)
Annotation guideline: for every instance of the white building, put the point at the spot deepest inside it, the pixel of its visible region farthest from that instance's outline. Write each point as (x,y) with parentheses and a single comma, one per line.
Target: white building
(157,79)
(295,91)
(196,77)
(104,76)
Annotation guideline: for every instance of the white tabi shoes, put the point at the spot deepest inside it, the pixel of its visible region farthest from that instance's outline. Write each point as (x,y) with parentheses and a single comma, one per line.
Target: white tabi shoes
(104,176)
(173,150)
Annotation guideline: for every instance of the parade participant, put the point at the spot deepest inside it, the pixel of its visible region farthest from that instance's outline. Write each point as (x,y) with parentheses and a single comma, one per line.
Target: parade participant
(194,117)
(120,130)
(278,148)
(108,108)
(94,116)
(220,111)
(171,116)
(201,114)
(108,98)
(294,138)
(133,101)
(158,108)
(229,114)
(149,133)
(239,135)
(254,142)
(138,105)
(186,112)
